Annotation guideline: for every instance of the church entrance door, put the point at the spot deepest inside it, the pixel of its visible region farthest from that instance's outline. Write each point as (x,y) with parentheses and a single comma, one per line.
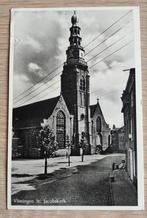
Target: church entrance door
(60,129)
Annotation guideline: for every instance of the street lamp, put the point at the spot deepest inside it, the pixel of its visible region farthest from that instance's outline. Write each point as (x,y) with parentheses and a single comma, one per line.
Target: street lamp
(82,146)
(68,147)
(45,166)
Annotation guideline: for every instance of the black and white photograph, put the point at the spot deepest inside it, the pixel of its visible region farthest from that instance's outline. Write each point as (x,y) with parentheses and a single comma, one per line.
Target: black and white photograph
(75,109)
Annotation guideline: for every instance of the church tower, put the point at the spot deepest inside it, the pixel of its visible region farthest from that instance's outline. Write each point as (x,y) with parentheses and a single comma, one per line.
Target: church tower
(75,86)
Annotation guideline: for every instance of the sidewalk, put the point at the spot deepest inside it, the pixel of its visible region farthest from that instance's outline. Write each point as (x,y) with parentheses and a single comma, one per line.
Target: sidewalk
(123,190)
(36,166)
(24,171)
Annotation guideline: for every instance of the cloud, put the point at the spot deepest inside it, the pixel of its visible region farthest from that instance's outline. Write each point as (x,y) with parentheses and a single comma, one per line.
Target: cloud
(21,82)
(41,43)
(36,71)
(37,42)
(108,85)
(41,91)
(33,67)
(36,45)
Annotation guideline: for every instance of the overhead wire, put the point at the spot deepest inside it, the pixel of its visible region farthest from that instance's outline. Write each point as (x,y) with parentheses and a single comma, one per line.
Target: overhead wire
(84,47)
(107,38)
(108,28)
(41,80)
(92,65)
(37,88)
(62,63)
(45,88)
(111,54)
(114,43)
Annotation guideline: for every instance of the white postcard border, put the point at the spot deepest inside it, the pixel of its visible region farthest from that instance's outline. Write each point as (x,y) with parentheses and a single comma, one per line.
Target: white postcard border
(140,162)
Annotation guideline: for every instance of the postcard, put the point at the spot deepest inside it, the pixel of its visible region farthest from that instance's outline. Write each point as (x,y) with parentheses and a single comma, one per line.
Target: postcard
(75,138)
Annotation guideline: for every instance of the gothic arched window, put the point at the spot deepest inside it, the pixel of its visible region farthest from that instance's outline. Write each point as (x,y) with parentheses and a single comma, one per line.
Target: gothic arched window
(82,84)
(109,139)
(60,129)
(98,125)
(82,99)
(92,127)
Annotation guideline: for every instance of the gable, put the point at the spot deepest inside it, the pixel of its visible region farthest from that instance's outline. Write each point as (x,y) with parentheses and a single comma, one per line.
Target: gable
(61,105)
(95,111)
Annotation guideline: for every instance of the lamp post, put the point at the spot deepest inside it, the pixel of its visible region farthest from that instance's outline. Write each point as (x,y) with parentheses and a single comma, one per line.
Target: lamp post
(68,147)
(82,146)
(45,166)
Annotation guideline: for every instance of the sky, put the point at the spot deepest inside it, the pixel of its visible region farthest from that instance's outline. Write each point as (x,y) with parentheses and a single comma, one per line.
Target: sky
(40,44)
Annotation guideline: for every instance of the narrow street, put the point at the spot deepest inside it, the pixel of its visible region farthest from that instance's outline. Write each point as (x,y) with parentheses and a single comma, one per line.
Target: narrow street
(80,185)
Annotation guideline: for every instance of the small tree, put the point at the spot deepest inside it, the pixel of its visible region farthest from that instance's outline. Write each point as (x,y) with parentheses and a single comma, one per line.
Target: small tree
(47,142)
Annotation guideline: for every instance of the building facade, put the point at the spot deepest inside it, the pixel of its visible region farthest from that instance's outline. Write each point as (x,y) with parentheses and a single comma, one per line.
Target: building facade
(100,130)
(129,113)
(27,122)
(117,139)
(69,114)
(121,140)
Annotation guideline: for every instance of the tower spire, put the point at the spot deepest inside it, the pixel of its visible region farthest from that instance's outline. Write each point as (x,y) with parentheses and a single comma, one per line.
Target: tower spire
(75,84)
(74,19)
(75,51)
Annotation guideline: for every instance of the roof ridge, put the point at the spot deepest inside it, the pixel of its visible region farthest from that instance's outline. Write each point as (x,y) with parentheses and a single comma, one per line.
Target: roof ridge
(37,102)
(93,105)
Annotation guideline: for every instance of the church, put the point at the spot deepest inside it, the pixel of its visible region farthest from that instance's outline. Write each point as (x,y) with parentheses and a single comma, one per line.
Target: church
(69,114)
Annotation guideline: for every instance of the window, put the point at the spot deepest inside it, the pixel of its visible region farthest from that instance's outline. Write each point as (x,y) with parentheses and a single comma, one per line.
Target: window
(92,128)
(82,116)
(109,140)
(74,40)
(98,125)
(82,84)
(82,99)
(132,99)
(75,31)
(60,129)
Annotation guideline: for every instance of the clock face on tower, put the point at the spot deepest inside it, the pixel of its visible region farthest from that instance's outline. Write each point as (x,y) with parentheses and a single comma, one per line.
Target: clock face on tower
(76,53)
(81,54)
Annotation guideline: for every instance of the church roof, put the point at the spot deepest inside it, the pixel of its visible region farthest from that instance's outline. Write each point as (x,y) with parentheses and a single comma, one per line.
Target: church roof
(92,109)
(38,109)
(97,107)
